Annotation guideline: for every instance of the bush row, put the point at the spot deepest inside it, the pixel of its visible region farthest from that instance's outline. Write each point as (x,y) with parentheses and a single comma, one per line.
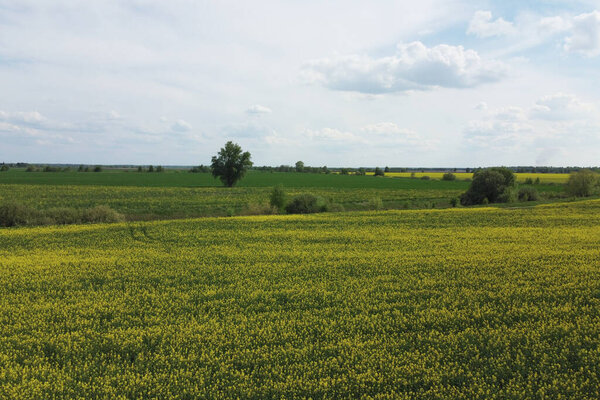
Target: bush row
(14,214)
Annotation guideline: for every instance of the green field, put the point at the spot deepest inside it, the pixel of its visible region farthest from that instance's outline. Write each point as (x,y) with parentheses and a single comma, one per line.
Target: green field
(186,179)
(476,303)
(182,194)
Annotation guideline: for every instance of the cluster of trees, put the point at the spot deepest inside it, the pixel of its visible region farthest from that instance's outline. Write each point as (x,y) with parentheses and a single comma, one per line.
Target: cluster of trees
(298,167)
(87,168)
(4,167)
(498,185)
(151,169)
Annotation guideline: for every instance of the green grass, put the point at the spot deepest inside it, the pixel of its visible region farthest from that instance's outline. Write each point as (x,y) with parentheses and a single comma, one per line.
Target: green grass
(182,194)
(252,179)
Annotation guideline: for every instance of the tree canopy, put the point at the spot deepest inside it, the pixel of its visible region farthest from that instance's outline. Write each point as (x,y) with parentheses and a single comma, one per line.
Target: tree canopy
(230,164)
(488,185)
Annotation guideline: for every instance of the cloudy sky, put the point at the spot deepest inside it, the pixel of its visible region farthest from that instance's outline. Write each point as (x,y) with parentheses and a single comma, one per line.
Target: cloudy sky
(337,83)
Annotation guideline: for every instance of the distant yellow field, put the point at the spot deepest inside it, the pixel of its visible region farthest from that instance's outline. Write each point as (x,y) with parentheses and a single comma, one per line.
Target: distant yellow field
(544,178)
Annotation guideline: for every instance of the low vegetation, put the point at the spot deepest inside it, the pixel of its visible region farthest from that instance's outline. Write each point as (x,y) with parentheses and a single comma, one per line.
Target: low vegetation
(583,183)
(464,303)
(14,214)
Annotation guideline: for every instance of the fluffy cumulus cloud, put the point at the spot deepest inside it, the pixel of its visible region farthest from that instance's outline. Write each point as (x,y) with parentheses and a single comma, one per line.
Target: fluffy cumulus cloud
(413,67)
(585,35)
(483,26)
(257,109)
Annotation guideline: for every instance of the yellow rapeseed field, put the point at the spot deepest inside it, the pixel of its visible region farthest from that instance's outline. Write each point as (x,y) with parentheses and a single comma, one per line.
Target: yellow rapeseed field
(521,177)
(434,304)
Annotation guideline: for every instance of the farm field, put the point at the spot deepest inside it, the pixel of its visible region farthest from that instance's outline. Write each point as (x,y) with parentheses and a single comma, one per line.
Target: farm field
(521,177)
(252,179)
(470,303)
(177,195)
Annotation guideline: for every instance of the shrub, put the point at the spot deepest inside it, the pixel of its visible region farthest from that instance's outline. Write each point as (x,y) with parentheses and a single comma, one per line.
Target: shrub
(4,167)
(14,214)
(336,207)
(258,209)
(97,168)
(509,195)
(278,198)
(529,181)
(306,204)
(425,177)
(62,216)
(375,203)
(379,172)
(489,184)
(448,176)
(528,193)
(454,201)
(100,214)
(30,168)
(582,183)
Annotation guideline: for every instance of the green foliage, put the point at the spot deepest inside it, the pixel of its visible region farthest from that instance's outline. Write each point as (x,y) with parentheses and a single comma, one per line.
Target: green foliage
(582,183)
(344,171)
(528,193)
(361,172)
(97,168)
(299,166)
(4,168)
(491,184)
(231,164)
(454,201)
(375,203)
(306,204)
(386,169)
(425,177)
(159,169)
(14,214)
(379,172)
(151,168)
(528,181)
(278,198)
(449,176)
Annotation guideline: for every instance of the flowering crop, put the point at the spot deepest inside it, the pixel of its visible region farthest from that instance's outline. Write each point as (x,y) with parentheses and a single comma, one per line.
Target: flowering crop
(521,177)
(458,303)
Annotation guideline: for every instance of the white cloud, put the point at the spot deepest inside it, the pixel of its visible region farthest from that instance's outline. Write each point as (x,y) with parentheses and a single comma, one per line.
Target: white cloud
(552,25)
(181,126)
(561,106)
(413,67)
(23,117)
(257,109)
(481,106)
(585,35)
(554,120)
(481,25)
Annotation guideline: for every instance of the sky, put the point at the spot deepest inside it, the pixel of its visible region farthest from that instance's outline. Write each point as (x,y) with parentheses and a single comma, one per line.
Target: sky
(433,83)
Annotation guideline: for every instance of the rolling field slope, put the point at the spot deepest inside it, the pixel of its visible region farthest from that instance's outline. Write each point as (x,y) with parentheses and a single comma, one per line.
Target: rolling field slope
(459,303)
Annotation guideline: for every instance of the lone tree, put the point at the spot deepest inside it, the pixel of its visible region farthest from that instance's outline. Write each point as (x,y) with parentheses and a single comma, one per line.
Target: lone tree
(230,164)
(491,185)
(299,166)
